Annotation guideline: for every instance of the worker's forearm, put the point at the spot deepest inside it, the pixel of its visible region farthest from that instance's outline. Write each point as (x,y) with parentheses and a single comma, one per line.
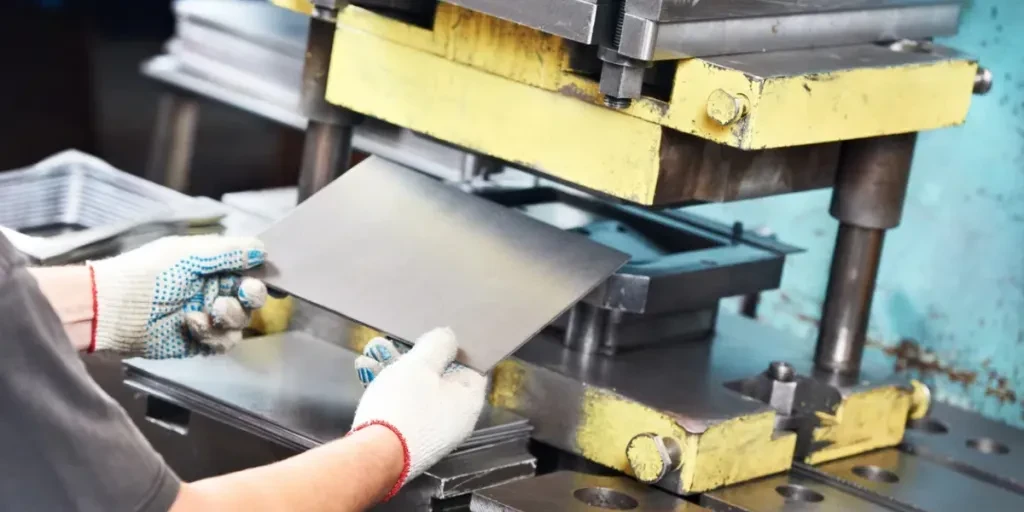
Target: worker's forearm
(69,290)
(349,474)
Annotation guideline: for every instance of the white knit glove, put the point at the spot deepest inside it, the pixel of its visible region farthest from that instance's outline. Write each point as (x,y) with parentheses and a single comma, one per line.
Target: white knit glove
(176,297)
(429,403)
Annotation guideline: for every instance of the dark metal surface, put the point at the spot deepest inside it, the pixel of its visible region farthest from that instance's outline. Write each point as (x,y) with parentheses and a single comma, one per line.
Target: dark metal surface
(170,153)
(695,169)
(678,261)
(784,493)
(578,20)
(403,253)
(290,388)
(577,492)
(966,441)
(872,181)
(868,198)
(851,286)
(326,153)
(904,481)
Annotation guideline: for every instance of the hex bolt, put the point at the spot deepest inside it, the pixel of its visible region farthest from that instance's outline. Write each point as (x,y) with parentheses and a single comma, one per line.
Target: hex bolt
(651,457)
(781,371)
(982,81)
(725,109)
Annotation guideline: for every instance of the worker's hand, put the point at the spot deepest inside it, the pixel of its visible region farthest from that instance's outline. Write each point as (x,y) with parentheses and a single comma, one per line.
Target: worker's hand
(431,404)
(176,297)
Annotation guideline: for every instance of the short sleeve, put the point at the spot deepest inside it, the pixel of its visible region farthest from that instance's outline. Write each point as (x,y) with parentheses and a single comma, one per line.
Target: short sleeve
(64,444)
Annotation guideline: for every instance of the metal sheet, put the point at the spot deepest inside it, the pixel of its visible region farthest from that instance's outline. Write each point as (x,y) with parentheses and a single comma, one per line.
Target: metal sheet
(577,20)
(797,31)
(688,10)
(970,443)
(290,387)
(893,478)
(577,492)
(789,492)
(403,253)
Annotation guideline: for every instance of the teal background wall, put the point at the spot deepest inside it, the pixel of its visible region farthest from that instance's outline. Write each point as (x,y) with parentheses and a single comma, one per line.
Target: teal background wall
(950,300)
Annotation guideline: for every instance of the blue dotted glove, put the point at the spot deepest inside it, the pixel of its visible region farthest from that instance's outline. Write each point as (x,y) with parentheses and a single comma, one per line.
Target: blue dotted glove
(177,296)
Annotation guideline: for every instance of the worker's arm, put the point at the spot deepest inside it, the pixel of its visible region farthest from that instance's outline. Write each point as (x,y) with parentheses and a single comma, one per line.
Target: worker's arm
(415,412)
(352,473)
(175,297)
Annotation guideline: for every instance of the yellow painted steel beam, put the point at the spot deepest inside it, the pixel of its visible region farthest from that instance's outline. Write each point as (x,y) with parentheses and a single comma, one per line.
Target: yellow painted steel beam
(791,98)
(864,421)
(299,6)
(604,422)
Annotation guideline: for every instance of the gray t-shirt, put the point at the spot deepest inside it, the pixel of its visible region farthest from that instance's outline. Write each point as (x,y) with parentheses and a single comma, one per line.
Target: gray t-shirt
(64,444)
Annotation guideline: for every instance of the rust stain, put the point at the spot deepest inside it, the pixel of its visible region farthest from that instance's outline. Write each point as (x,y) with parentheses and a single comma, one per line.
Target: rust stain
(1001,390)
(575,91)
(910,356)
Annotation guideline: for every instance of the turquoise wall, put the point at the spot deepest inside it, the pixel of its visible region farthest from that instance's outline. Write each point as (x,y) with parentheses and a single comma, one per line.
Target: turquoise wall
(950,300)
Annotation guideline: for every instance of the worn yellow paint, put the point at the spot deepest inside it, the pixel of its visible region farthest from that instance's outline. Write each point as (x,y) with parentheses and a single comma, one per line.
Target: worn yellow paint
(864,421)
(732,451)
(646,458)
(738,450)
(274,316)
(920,400)
(299,6)
(783,111)
(813,108)
(507,385)
(586,144)
(359,335)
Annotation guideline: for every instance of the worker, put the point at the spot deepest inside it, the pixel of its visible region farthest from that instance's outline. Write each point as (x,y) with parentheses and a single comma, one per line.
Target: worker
(64,445)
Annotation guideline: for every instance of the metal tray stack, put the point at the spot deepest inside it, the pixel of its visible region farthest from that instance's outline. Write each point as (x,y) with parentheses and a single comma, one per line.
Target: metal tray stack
(62,207)
(253,47)
(300,392)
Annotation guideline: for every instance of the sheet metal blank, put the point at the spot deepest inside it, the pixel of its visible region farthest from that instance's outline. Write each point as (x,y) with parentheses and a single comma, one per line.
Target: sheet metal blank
(403,253)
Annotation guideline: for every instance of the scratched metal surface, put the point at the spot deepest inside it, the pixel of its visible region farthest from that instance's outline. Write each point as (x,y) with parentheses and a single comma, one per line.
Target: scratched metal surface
(950,301)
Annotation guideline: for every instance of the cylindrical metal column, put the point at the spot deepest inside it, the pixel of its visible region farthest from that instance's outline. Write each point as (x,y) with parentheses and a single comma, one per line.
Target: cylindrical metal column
(327,150)
(591,329)
(868,199)
(326,153)
(170,153)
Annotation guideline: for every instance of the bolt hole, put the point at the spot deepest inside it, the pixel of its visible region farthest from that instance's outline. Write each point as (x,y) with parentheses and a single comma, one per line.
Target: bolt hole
(988,446)
(606,498)
(621,229)
(876,474)
(928,426)
(799,493)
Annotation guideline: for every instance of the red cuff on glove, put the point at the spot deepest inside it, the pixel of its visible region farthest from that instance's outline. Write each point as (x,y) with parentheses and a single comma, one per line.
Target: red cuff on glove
(95,311)
(401,439)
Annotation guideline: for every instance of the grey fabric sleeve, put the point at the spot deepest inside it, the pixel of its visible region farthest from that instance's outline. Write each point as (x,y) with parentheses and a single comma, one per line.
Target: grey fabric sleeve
(64,444)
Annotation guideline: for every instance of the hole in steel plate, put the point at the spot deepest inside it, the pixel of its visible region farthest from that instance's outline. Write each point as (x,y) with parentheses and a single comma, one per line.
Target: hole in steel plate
(606,498)
(988,446)
(799,493)
(928,426)
(876,474)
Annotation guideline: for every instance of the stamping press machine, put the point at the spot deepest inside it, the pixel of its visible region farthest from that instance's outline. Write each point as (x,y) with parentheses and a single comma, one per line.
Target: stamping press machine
(645,104)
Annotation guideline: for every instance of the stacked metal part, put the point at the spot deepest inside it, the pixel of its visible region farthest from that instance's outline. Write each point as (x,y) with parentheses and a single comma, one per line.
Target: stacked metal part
(299,392)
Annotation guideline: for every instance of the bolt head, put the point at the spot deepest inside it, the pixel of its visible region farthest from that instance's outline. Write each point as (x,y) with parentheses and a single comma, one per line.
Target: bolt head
(781,371)
(651,457)
(724,108)
(982,81)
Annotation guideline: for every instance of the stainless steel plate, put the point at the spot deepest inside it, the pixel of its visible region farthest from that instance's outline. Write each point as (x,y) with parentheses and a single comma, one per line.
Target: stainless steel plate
(403,253)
